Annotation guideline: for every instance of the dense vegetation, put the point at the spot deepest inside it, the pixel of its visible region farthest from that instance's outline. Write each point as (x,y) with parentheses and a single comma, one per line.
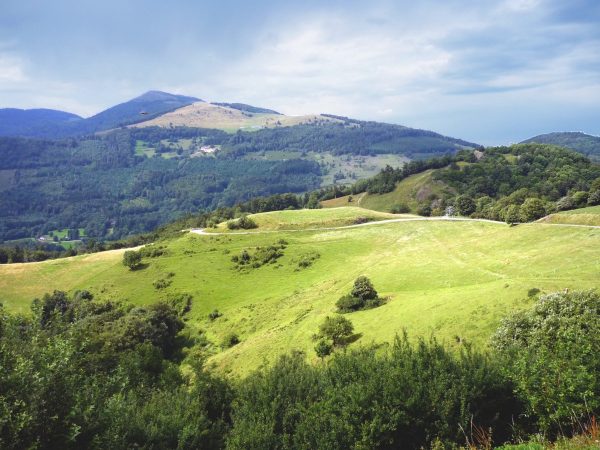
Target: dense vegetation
(580,142)
(104,185)
(78,373)
(520,183)
(100,185)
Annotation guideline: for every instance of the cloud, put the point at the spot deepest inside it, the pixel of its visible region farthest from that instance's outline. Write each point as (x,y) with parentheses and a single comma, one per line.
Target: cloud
(460,67)
(11,70)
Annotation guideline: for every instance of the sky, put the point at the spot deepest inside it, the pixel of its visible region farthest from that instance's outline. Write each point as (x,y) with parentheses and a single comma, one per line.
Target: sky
(488,71)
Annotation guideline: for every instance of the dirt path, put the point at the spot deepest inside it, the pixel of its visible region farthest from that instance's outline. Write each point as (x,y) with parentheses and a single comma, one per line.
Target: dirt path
(202,231)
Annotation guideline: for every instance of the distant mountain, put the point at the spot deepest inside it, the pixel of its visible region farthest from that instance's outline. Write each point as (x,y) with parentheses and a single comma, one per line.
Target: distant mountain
(146,106)
(33,122)
(580,142)
(247,108)
(47,123)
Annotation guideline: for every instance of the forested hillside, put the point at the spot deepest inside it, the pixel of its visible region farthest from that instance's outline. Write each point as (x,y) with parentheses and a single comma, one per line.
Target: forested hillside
(133,180)
(580,142)
(520,183)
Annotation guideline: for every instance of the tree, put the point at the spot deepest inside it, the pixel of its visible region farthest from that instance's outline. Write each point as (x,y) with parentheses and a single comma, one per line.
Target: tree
(323,348)
(132,259)
(594,198)
(337,328)
(363,289)
(551,354)
(512,214)
(465,205)
(532,209)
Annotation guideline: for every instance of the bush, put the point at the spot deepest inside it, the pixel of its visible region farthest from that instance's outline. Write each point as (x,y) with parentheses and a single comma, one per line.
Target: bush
(362,296)
(215,314)
(338,329)
(243,222)
(323,348)
(465,205)
(400,208)
(424,210)
(532,209)
(230,340)
(132,259)
(551,354)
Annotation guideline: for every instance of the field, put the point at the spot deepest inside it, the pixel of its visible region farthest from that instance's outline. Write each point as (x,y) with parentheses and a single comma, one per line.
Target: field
(410,191)
(452,279)
(583,216)
(312,218)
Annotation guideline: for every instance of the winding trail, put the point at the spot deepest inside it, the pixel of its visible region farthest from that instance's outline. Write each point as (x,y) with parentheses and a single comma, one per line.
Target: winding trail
(202,231)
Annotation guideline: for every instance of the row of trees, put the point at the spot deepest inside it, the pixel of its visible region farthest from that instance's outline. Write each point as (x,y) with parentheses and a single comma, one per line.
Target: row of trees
(79,373)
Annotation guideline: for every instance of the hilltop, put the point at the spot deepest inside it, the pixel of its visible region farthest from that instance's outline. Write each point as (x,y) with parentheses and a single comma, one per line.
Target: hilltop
(578,141)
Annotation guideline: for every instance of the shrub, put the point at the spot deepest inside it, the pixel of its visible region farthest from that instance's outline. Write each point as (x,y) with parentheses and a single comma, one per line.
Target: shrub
(132,259)
(362,296)
(532,209)
(161,283)
(424,210)
(243,222)
(323,348)
(215,314)
(337,328)
(230,340)
(400,208)
(465,205)
(551,354)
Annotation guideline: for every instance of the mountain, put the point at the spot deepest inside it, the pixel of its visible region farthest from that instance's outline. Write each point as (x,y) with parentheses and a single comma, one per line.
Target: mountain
(247,108)
(230,117)
(146,106)
(575,140)
(47,123)
(33,122)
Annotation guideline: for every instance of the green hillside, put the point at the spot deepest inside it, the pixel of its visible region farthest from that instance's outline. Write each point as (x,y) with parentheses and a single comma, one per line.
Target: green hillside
(437,275)
(582,216)
(410,192)
(580,142)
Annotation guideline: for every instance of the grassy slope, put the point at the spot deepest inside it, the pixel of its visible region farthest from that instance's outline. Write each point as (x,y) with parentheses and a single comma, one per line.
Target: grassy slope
(312,218)
(583,216)
(448,278)
(409,191)
(206,115)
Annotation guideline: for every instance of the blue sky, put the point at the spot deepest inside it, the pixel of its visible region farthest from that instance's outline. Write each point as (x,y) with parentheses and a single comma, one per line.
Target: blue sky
(490,71)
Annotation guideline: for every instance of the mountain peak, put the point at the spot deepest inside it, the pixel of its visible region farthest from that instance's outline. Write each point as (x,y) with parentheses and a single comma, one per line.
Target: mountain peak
(155,96)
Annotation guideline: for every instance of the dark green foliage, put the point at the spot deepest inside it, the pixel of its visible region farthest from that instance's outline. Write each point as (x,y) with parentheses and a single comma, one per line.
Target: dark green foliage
(260,257)
(215,314)
(400,209)
(230,340)
(523,182)
(337,329)
(577,141)
(323,348)
(533,292)
(551,354)
(465,205)
(362,296)
(132,259)
(407,398)
(307,260)
(161,283)
(244,223)
(82,374)
(532,209)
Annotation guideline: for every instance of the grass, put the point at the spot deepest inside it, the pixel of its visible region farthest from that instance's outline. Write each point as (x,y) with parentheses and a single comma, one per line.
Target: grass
(312,218)
(410,192)
(453,279)
(582,216)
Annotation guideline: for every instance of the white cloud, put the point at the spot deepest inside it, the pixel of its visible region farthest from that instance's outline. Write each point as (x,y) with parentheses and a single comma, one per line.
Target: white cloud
(11,70)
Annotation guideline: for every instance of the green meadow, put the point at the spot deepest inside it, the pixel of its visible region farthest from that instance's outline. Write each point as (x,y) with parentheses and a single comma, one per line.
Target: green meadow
(455,280)
(581,216)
